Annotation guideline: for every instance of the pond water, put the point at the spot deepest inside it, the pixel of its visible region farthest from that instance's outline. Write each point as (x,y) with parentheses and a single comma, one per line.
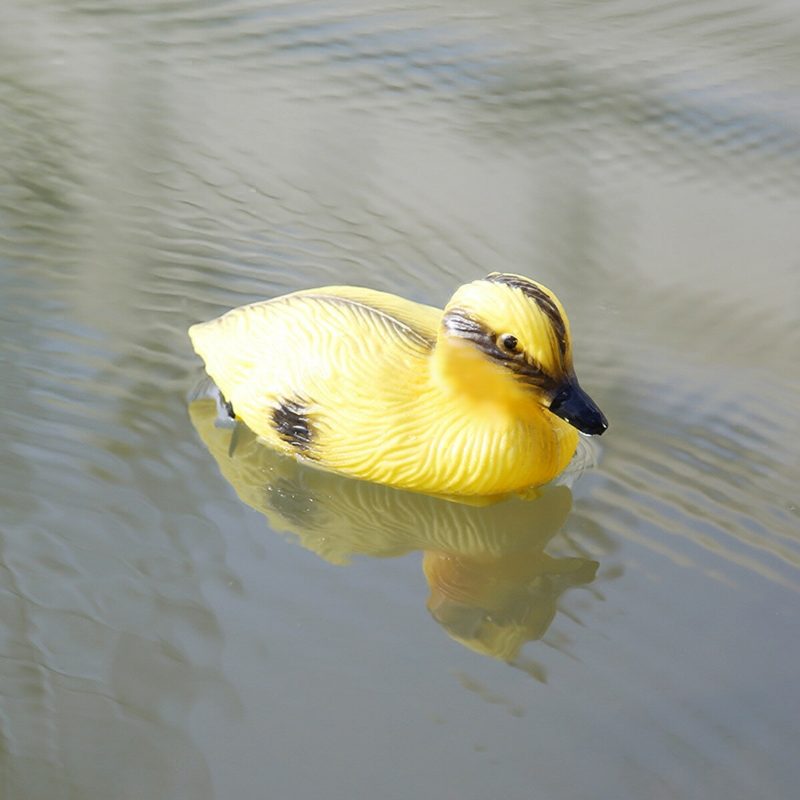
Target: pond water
(180,618)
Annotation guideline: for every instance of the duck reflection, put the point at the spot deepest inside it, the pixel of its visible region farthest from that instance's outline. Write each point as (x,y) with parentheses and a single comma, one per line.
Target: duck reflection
(492,586)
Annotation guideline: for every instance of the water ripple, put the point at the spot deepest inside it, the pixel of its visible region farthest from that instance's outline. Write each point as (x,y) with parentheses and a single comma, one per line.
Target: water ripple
(162,162)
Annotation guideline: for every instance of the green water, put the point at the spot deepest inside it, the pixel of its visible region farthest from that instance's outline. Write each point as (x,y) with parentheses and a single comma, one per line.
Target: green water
(180,621)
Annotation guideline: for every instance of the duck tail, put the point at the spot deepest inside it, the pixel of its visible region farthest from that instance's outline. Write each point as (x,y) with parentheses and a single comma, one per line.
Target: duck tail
(206,389)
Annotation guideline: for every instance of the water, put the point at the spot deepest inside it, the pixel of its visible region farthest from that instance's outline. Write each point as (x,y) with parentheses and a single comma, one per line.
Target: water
(178,622)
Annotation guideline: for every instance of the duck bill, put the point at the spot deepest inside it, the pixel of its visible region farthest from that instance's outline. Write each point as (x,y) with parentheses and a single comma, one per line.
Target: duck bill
(572,404)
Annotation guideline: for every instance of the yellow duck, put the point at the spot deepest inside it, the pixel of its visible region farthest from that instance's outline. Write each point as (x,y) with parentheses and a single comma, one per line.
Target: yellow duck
(478,399)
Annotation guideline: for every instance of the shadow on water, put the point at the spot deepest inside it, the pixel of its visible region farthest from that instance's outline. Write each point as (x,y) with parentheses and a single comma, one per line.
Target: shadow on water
(492,585)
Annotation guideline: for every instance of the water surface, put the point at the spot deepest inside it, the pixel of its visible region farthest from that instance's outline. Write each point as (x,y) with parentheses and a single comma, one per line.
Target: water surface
(183,622)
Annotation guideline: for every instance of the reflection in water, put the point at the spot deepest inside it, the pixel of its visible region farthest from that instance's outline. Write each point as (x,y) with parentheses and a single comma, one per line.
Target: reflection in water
(493,587)
(495,605)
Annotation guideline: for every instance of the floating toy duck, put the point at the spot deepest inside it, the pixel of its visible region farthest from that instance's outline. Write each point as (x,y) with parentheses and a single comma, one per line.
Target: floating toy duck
(478,399)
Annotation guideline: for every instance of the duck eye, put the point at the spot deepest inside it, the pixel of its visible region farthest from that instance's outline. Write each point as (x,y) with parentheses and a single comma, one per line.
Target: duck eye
(508,342)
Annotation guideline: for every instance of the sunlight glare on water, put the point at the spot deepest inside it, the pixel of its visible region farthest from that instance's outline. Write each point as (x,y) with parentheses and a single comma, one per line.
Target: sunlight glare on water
(187,617)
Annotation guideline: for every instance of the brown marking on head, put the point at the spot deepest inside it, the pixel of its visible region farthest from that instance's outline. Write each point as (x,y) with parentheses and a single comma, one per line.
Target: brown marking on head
(541,298)
(460,323)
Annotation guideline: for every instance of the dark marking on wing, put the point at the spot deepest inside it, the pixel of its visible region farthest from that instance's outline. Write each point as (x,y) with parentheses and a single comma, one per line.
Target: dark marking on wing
(540,297)
(293,424)
(460,323)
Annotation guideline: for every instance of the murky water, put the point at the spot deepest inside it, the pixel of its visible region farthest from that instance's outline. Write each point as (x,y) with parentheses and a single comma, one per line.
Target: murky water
(181,622)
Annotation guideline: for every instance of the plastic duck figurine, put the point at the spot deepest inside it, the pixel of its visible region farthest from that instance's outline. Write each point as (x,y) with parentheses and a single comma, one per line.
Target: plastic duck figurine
(478,399)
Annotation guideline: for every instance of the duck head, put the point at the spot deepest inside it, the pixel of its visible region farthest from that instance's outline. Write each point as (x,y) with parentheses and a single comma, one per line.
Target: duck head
(507,338)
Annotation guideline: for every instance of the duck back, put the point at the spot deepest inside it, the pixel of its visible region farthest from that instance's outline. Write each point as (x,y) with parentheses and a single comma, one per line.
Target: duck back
(318,373)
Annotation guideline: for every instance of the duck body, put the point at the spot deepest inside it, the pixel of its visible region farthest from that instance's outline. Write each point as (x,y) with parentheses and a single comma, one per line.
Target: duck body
(378,387)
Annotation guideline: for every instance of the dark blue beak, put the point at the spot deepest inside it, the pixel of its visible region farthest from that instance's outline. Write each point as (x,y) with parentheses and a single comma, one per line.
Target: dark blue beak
(572,404)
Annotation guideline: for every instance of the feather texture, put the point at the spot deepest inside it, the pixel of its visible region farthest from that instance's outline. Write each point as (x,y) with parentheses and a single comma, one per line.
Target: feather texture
(375,386)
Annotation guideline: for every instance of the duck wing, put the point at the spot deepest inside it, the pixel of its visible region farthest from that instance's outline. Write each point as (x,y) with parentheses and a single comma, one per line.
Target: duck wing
(334,350)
